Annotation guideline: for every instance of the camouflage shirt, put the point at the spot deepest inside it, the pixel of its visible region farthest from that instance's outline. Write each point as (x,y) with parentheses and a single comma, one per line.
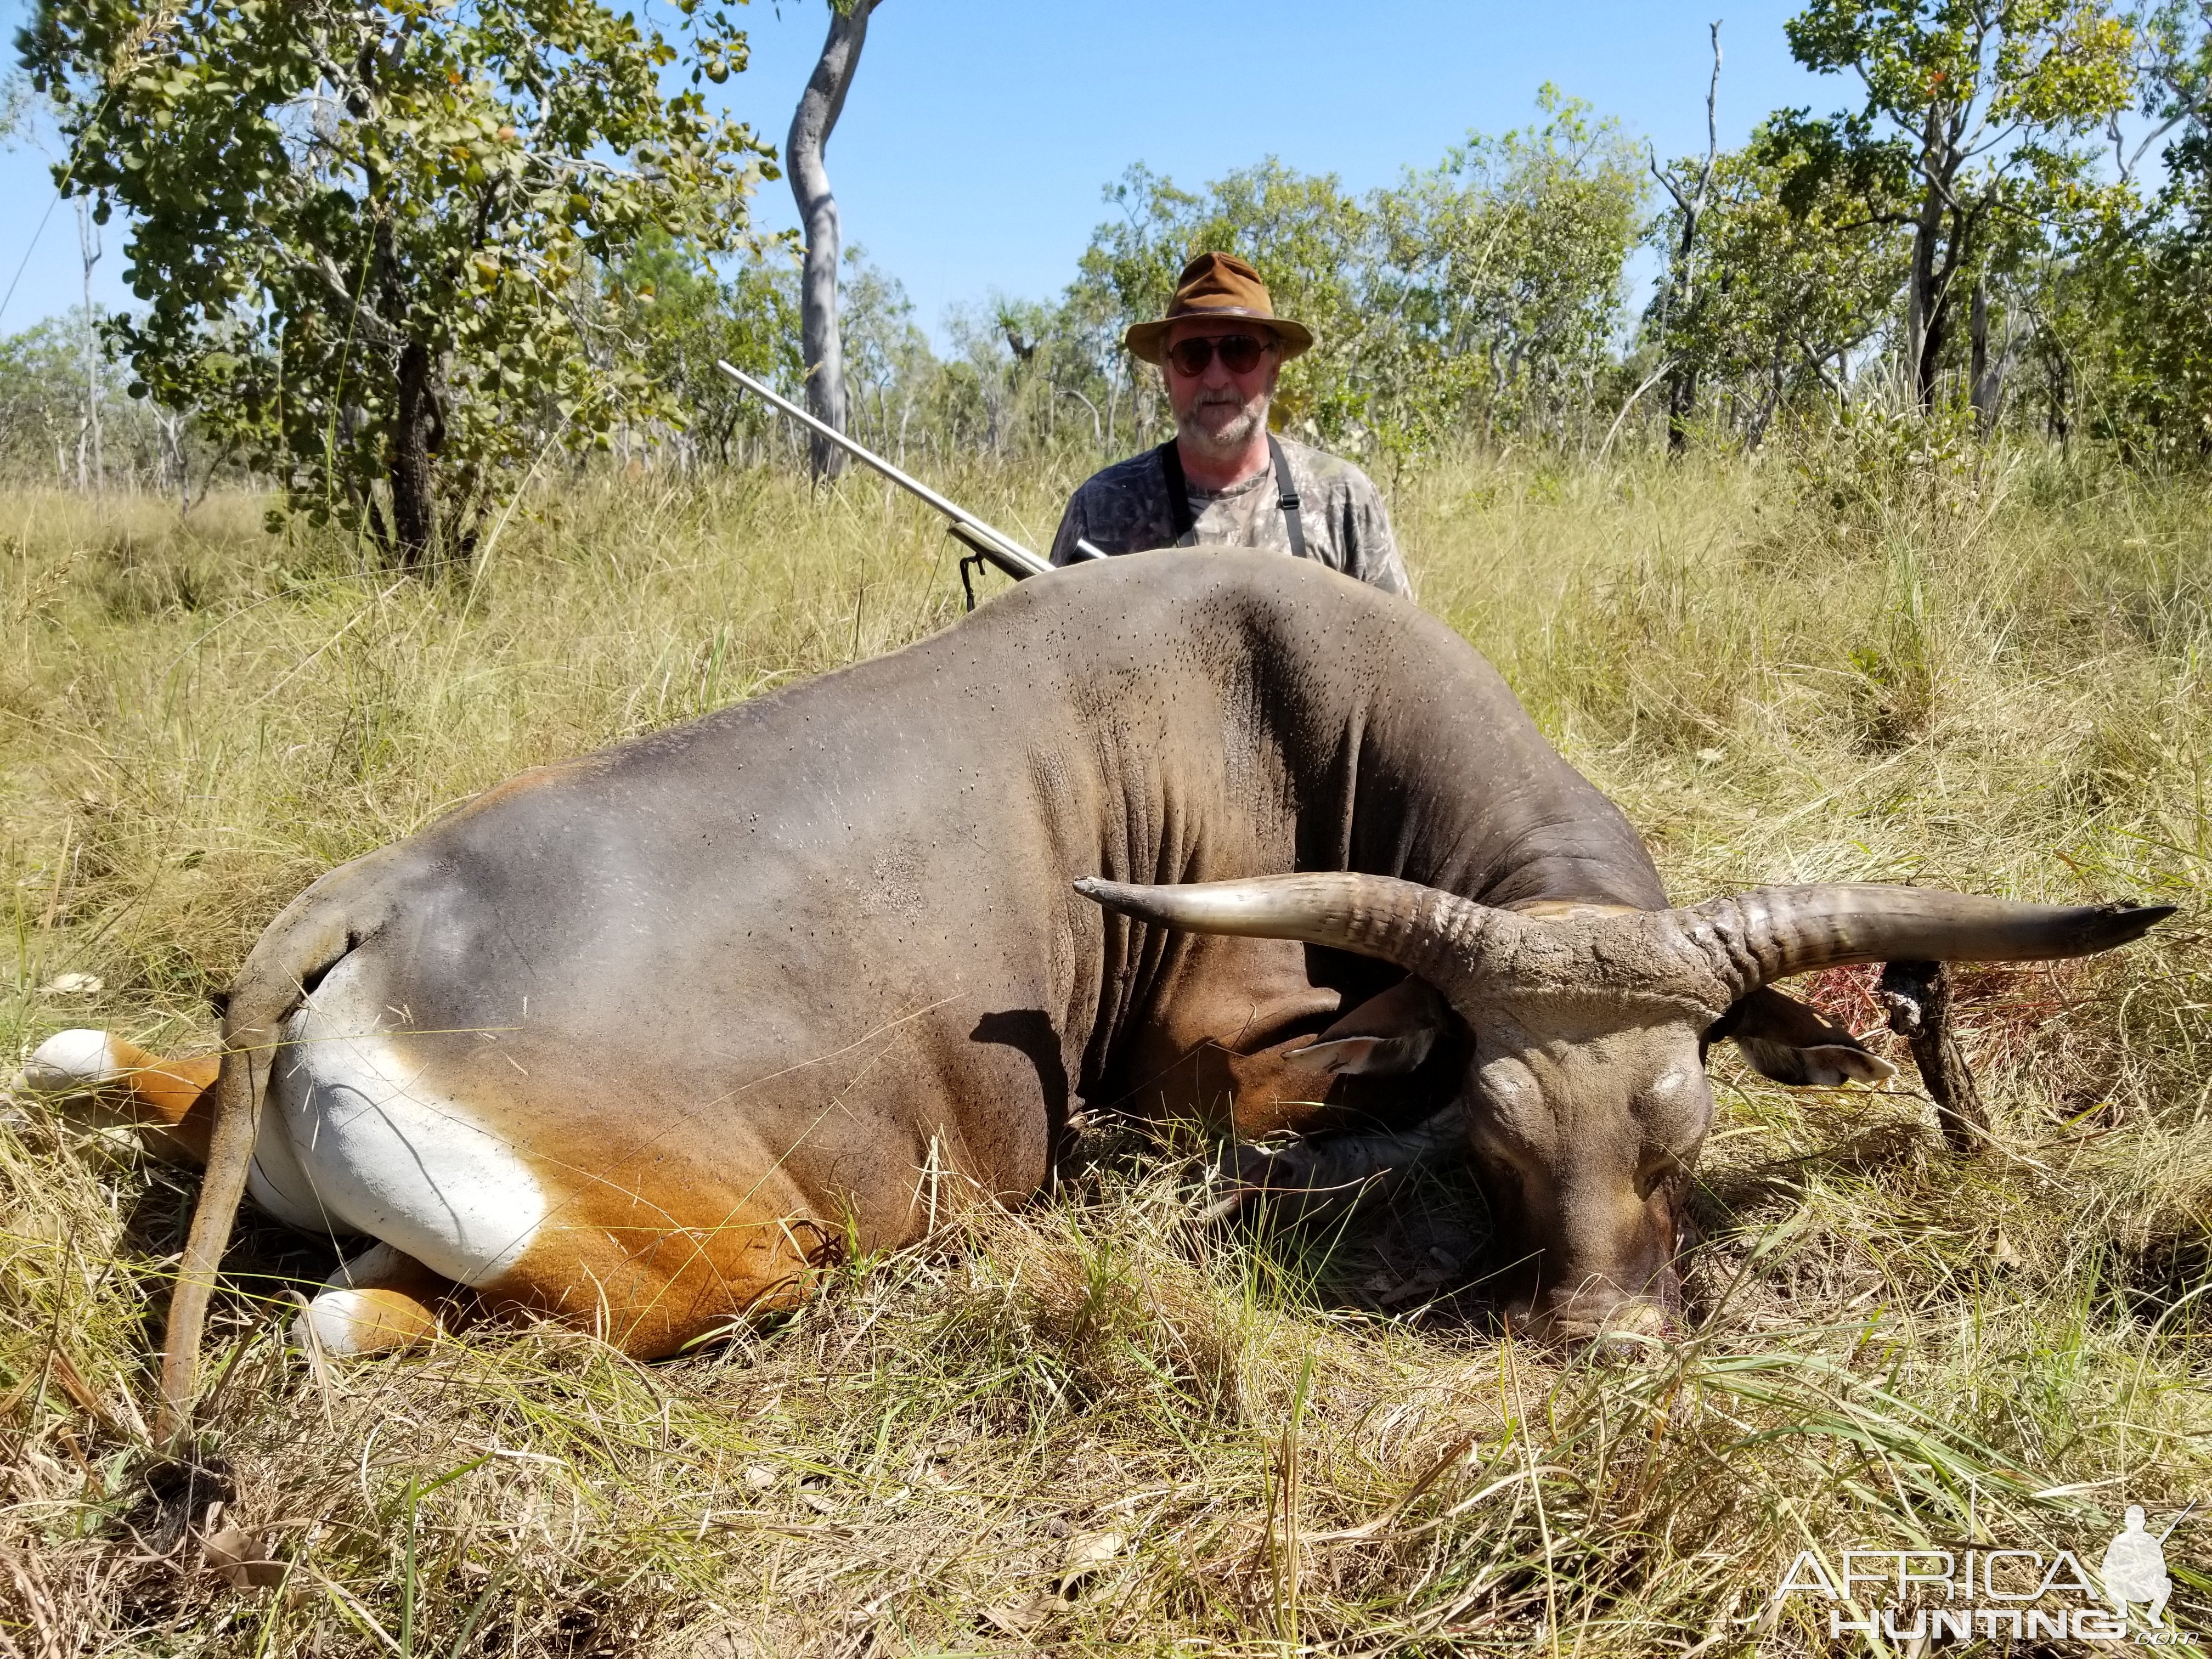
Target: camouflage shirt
(1124,509)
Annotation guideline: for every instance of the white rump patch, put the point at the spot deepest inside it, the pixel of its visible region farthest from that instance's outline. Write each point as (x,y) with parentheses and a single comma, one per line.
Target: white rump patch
(355,1141)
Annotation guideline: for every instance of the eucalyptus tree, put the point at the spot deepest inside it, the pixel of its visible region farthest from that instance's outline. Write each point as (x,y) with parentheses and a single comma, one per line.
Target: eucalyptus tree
(812,124)
(1498,294)
(1690,186)
(680,317)
(1969,133)
(364,231)
(2124,313)
(1788,295)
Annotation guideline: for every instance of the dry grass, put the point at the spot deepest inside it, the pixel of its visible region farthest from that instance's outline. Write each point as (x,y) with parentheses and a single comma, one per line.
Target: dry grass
(1093,1426)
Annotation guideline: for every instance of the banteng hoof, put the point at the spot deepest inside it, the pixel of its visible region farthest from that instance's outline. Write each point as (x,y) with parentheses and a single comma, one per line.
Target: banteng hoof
(348,1324)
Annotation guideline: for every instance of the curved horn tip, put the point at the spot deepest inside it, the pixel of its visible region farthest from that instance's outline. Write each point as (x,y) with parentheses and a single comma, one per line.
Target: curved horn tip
(1128,899)
(2124,924)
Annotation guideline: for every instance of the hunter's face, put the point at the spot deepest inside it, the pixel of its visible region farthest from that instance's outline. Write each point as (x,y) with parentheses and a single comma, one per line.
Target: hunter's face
(1219,408)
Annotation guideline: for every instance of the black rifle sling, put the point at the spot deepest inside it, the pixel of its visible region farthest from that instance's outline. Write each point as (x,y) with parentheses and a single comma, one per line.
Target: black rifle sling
(1179,517)
(1186,527)
(1286,497)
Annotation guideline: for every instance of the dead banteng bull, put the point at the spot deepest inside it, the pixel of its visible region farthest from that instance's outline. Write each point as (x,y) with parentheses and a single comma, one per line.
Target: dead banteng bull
(639,1040)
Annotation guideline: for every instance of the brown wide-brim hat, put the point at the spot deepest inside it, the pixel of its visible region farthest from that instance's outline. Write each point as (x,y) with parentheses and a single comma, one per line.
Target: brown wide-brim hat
(1217,286)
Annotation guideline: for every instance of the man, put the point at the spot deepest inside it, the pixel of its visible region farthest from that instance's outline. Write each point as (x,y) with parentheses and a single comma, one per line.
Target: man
(1224,479)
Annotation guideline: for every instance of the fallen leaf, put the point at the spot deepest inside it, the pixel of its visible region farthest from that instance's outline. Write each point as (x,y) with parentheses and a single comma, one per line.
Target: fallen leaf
(1018,1617)
(759,1476)
(75,985)
(242,1558)
(1085,1553)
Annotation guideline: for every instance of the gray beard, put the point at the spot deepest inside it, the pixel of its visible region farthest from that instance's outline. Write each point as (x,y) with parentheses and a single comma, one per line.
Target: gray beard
(1232,438)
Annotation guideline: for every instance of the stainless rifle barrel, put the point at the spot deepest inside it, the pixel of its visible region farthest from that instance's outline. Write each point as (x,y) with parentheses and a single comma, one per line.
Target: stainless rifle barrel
(1009,554)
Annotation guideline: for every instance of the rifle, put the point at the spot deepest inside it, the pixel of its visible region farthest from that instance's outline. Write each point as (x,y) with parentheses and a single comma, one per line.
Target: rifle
(984,543)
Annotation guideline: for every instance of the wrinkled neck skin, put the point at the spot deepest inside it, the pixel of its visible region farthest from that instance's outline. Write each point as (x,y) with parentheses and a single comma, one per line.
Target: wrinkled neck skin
(1374,742)
(1281,737)
(1450,786)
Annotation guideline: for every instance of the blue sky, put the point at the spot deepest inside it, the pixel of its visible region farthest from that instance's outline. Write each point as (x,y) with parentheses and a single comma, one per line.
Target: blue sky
(979,132)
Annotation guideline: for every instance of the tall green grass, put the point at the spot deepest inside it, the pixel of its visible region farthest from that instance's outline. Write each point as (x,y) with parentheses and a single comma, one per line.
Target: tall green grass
(1093,1426)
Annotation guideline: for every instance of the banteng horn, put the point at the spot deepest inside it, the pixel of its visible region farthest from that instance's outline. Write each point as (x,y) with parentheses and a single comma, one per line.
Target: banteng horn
(1708,954)
(1771,932)
(1422,929)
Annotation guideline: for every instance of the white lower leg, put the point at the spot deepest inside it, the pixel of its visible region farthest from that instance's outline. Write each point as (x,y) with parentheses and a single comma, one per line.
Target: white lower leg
(367,1310)
(71,1062)
(346,1324)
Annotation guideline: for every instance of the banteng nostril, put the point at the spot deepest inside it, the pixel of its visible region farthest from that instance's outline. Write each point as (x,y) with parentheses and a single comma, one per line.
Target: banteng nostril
(1624,1327)
(1632,1330)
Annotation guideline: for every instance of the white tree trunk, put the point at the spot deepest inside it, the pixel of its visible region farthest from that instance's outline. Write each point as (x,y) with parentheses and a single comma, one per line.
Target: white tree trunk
(171,424)
(1921,346)
(1985,373)
(819,107)
(89,250)
(1691,201)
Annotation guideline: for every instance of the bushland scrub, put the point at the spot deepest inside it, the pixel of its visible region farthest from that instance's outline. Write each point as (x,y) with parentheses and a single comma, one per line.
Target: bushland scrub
(1091,1424)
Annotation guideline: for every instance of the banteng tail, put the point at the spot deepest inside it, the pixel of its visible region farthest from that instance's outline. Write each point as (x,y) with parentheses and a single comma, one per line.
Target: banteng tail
(299,947)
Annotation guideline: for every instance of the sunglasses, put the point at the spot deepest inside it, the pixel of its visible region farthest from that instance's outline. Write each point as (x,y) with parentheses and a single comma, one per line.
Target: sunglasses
(1240,354)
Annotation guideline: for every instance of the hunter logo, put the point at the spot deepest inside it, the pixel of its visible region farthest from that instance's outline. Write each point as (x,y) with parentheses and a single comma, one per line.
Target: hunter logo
(1945,1596)
(2134,1568)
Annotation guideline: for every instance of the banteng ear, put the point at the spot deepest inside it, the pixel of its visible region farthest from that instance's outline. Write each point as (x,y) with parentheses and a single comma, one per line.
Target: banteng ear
(1823,1067)
(1386,1035)
(1784,1039)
